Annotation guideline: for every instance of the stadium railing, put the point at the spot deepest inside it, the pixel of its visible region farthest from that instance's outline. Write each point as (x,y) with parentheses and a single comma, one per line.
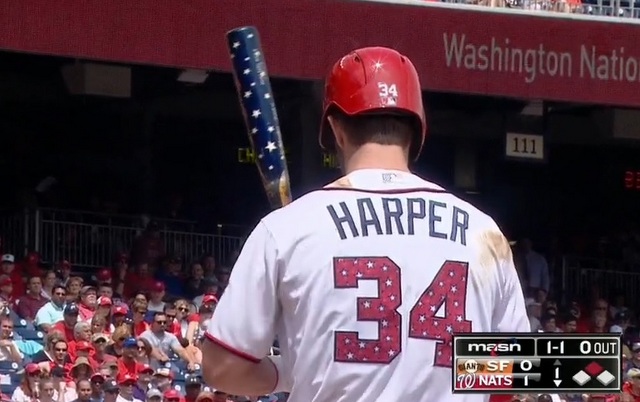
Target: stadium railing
(607,8)
(92,240)
(580,274)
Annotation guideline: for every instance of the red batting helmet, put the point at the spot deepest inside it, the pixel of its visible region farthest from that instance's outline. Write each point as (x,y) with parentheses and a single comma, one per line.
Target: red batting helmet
(374,80)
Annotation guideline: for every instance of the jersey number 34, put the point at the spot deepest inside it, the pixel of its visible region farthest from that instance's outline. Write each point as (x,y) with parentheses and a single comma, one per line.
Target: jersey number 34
(449,287)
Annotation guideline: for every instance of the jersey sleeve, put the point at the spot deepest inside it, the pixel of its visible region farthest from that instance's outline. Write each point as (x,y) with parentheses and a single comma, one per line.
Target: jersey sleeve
(510,313)
(244,319)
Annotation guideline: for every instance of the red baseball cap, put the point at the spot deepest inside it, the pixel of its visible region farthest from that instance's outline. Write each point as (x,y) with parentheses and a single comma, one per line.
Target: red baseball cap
(32,368)
(145,368)
(104,275)
(104,301)
(207,299)
(171,394)
(120,309)
(83,345)
(158,286)
(126,378)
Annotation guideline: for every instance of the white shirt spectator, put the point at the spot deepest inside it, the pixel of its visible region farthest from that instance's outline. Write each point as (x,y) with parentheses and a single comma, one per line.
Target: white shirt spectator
(49,314)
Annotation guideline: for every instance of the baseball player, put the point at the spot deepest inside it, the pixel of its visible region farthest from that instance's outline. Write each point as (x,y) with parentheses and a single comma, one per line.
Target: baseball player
(364,281)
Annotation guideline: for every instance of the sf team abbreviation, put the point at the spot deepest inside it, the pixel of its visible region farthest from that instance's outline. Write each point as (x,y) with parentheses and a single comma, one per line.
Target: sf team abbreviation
(540,363)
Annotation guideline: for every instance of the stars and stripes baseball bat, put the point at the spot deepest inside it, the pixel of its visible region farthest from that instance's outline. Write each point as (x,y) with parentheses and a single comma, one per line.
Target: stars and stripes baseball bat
(259,110)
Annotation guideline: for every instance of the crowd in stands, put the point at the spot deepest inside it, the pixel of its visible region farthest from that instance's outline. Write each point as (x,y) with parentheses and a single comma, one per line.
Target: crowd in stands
(129,332)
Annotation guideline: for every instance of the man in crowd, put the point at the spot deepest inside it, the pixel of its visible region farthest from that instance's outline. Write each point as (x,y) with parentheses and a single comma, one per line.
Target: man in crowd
(165,343)
(8,349)
(8,267)
(127,363)
(52,311)
(28,305)
(69,320)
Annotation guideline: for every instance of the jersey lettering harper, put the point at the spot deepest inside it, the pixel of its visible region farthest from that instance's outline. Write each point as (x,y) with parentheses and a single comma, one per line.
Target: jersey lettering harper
(363,283)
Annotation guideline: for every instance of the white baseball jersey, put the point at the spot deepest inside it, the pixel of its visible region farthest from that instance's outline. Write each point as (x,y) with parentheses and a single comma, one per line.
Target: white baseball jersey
(363,283)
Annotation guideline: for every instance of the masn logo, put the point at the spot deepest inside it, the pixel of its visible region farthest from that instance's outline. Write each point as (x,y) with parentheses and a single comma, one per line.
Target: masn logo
(494,347)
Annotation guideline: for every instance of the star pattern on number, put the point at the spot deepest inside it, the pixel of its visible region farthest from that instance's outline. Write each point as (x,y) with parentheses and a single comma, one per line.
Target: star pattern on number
(450,291)
(381,309)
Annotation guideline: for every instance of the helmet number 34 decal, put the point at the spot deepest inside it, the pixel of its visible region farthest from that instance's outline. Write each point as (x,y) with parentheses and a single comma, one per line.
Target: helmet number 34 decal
(388,92)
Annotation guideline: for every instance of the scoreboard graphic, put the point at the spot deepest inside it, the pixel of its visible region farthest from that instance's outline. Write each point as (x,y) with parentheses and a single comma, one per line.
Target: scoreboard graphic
(542,363)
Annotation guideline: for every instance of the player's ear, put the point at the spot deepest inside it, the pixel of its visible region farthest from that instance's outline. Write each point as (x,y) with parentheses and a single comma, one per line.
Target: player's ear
(337,130)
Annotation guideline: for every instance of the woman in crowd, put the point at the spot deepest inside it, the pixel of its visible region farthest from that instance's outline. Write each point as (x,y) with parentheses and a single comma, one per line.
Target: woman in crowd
(118,337)
(48,392)
(73,289)
(49,280)
(104,310)
(28,390)
(81,369)
(183,319)
(99,325)
(144,350)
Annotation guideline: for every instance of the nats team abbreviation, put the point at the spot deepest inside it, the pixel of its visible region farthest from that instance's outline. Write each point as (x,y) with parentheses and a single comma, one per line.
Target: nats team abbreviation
(521,363)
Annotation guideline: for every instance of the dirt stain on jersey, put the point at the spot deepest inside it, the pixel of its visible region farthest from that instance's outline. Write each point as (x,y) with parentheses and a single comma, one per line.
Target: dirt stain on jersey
(494,250)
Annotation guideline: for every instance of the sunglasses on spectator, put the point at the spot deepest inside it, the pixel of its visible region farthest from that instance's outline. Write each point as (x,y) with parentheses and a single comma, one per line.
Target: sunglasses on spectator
(163,322)
(100,340)
(183,309)
(61,349)
(171,316)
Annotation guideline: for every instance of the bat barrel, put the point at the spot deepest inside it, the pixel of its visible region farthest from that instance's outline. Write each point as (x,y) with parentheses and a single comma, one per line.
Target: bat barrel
(259,109)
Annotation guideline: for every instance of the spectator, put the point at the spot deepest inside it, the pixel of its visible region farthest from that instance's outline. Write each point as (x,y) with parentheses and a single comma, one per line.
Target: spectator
(548,323)
(69,320)
(570,323)
(211,289)
(88,302)
(183,319)
(149,247)
(105,290)
(599,322)
(27,390)
(127,363)
(47,391)
(171,396)
(126,384)
(536,270)
(99,342)
(103,277)
(156,298)
(119,315)
(81,370)
(162,379)
(28,305)
(8,267)
(99,325)
(171,276)
(141,279)
(74,285)
(52,311)
(49,280)
(64,272)
(111,390)
(97,381)
(8,348)
(120,334)
(534,311)
(55,349)
(6,289)
(154,395)
(195,285)
(139,313)
(81,333)
(164,343)
(83,389)
(621,322)
(144,351)
(631,387)
(145,375)
(193,386)
(209,266)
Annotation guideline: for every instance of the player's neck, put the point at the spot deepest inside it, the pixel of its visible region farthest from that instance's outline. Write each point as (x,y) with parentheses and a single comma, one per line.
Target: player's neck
(376,156)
